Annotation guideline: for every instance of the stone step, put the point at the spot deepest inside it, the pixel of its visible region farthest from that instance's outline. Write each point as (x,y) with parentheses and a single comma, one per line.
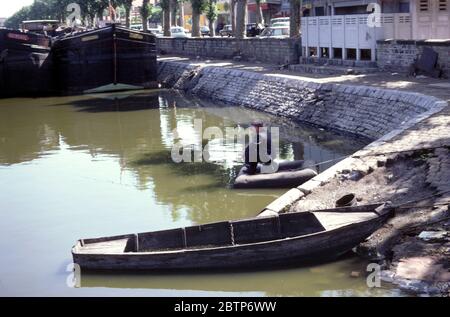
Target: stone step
(331,70)
(322,61)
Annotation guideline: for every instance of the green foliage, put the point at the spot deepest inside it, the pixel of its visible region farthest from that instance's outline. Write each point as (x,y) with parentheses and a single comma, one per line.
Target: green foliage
(165,4)
(42,9)
(145,9)
(211,10)
(199,6)
(56,9)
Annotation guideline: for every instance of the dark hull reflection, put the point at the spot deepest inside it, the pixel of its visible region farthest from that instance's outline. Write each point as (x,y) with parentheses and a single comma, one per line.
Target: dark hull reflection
(328,279)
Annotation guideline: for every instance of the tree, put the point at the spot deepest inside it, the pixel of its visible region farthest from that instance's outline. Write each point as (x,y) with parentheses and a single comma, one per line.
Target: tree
(127,4)
(42,9)
(145,13)
(294,20)
(14,21)
(198,7)
(181,13)
(233,14)
(259,15)
(165,6)
(241,13)
(211,14)
(173,12)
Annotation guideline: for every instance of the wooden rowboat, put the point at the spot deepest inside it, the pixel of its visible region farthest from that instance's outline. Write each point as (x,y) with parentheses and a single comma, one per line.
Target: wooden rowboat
(300,237)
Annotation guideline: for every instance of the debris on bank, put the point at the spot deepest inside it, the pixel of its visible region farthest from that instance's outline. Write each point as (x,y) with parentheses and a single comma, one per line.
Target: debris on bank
(413,247)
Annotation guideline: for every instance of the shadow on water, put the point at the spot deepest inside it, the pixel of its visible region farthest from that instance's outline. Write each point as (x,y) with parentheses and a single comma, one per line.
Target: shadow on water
(117,102)
(222,177)
(154,158)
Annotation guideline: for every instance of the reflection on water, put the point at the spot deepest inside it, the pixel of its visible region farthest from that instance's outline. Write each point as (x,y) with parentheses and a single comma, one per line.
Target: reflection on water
(330,279)
(87,166)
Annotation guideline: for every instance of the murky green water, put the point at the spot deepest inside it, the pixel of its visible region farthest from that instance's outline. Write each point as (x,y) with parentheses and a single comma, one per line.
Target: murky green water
(88,166)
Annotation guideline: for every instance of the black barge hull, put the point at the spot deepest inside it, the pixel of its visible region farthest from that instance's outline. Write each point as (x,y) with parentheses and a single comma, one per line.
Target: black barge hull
(107,59)
(25,64)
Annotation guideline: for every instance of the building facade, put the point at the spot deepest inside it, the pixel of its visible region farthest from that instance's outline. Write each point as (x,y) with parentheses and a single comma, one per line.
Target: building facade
(349,29)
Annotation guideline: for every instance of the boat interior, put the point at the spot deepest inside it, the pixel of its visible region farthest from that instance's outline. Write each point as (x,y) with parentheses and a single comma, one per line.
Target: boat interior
(228,233)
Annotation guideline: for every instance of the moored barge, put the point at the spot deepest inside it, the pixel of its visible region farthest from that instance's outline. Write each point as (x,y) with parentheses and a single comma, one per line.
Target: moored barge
(25,63)
(105,59)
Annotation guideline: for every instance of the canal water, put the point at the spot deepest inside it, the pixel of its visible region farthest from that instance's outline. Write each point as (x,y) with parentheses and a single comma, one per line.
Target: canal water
(97,165)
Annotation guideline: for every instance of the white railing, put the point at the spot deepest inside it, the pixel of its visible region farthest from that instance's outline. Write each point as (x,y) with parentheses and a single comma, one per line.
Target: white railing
(352,31)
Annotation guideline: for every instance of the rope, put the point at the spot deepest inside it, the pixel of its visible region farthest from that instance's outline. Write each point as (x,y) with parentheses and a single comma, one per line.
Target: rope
(414,227)
(376,154)
(401,151)
(421,199)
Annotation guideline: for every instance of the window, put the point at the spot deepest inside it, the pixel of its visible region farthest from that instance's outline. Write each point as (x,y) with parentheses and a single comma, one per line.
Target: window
(351,53)
(325,52)
(366,54)
(337,52)
(319,11)
(403,7)
(442,5)
(424,5)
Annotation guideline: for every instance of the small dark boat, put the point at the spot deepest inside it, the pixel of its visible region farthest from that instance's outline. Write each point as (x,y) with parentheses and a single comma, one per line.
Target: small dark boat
(106,59)
(25,63)
(289,174)
(289,238)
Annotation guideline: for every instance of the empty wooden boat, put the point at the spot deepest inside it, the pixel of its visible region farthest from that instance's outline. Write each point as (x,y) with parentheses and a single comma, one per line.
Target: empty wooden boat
(300,237)
(106,59)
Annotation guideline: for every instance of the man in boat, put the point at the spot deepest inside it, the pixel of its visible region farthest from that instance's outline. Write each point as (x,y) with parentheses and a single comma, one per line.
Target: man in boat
(259,149)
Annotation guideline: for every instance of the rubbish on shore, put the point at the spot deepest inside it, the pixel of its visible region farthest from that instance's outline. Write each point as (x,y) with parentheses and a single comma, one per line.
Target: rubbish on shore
(346,201)
(427,64)
(355,274)
(290,238)
(433,235)
(289,174)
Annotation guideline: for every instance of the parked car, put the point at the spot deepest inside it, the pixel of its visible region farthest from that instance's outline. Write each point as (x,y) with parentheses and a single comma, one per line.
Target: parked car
(277,31)
(253,29)
(178,31)
(156,31)
(281,24)
(137,27)
(226,31)
(279,20)
(204,30)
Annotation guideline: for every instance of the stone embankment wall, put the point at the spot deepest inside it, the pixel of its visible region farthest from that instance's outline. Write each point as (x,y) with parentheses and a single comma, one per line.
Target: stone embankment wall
(275,51)
(365,111)
(398,55)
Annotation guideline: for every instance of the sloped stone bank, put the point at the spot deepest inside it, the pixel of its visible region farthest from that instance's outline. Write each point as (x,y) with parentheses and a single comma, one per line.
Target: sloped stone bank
(369,112)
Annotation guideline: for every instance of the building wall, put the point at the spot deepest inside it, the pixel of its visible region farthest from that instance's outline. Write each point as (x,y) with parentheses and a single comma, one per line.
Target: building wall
(397,55)
(274,51)
(431,19)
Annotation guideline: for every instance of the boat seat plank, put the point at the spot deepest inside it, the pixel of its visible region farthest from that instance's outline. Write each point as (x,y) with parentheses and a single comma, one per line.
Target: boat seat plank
(332,220)
(113,246)
(297,224)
